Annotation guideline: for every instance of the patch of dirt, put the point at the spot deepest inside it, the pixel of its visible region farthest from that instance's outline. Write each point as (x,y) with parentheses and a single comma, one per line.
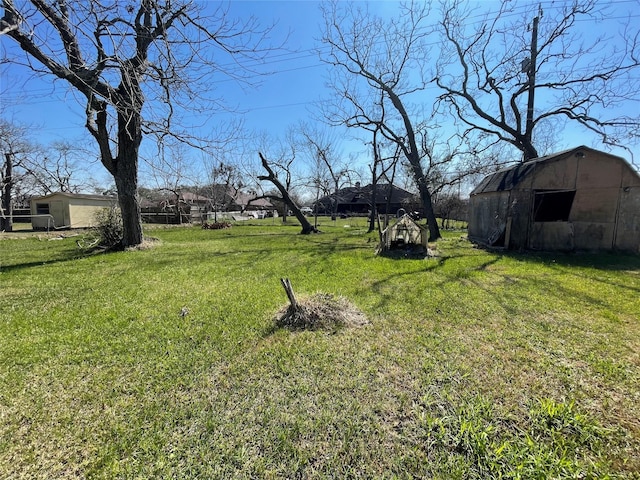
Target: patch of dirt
(147,243)
(320,312)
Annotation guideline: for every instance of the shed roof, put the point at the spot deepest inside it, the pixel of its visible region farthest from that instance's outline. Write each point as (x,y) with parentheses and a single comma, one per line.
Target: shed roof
(508,178)
(83,196)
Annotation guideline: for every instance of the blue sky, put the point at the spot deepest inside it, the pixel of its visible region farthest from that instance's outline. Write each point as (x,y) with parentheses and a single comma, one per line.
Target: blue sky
(283,99)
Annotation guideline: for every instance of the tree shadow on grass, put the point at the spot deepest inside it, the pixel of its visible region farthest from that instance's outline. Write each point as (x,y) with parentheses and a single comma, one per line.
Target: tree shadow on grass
(612,261)
(560,267)
(67,255)
(597,260)
(462,268)
(579,265)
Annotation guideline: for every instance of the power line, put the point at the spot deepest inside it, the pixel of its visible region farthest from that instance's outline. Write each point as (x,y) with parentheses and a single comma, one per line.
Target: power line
(308,53)
(314,52)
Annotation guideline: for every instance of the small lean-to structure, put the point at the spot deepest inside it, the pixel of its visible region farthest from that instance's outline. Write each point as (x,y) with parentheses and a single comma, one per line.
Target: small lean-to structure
(405,233)
(67,210)
(579,199)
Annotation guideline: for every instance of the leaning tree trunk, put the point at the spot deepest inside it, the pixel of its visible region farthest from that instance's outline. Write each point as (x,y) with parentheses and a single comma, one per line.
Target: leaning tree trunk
(307,228)
(411,153)
(425,197)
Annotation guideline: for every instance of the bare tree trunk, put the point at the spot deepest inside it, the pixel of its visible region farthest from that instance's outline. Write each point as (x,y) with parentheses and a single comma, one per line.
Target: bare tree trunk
(425,196)
(286,198)
(374,182)
(374,189)
(334,214)
(374,210)
(125,173)
(6,220)
(127,187)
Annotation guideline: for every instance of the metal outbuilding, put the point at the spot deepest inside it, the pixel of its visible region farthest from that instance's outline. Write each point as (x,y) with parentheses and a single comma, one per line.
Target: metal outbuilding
(67,210)
(578,199)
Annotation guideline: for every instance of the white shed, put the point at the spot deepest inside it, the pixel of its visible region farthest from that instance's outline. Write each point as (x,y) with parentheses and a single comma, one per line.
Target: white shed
(67,210)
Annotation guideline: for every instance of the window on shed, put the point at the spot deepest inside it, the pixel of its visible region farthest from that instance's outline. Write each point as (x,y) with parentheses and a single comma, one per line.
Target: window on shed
(553,205)
(42,208)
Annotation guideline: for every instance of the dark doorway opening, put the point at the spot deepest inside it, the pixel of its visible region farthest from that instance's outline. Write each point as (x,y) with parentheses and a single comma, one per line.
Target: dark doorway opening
(552,205)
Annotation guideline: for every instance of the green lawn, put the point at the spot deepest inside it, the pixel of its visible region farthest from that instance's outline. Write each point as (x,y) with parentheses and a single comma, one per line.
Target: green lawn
(474,364)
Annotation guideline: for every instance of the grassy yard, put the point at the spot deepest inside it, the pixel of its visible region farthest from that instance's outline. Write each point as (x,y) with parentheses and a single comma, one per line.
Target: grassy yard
(474,364)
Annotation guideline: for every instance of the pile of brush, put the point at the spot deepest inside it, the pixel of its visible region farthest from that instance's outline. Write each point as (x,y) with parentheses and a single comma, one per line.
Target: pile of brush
(318,312)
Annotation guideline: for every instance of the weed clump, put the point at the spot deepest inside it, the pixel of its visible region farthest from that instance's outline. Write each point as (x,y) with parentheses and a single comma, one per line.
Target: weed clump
(215,225)
(320,312)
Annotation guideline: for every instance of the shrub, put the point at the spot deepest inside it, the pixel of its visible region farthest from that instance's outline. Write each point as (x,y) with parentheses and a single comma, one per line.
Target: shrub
(109,227)
(107,231)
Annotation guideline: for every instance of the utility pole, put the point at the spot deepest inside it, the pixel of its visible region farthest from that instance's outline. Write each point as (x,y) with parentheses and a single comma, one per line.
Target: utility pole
(531,73)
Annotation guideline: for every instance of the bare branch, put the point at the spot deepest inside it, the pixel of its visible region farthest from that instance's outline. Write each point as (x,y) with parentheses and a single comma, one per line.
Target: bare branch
(134,65)
(376,62)
(579,81)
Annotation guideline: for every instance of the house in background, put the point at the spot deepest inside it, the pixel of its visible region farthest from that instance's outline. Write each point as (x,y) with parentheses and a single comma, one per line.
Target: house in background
(578,199)
(67,210)
(251,203)
(356,200)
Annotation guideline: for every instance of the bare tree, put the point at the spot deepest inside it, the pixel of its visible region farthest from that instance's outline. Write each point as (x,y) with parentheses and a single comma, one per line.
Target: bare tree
(511,73)
(120,56)
(225,184)
(379,64)
(319,181)
(285,197)
(284,160)
(171,170)
(285,164)
(383,167)
(62,166)
(324,154)
(14,149)
(450,207)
